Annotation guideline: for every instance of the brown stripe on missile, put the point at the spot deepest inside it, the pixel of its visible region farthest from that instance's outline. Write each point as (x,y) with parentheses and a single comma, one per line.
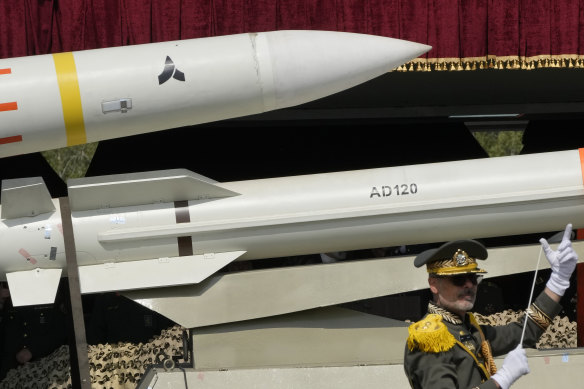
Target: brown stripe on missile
(185,243)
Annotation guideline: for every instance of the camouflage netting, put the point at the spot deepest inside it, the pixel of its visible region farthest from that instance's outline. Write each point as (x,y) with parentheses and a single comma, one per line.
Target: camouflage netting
(115,366)
(119,366)
(561,334)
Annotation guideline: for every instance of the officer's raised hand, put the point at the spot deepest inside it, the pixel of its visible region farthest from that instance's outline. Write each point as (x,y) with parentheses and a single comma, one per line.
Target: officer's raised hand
(562,261)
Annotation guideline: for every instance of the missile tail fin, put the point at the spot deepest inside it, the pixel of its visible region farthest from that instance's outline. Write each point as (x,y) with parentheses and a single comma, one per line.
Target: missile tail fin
(152,273)
(160,186)
(33,287)
(23,197)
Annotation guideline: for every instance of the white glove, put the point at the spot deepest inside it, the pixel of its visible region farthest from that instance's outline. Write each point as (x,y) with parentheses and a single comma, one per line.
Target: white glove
(563,262)
(514,366)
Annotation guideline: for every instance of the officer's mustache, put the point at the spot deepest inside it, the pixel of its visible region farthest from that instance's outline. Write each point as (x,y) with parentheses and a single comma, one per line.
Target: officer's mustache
(468,293)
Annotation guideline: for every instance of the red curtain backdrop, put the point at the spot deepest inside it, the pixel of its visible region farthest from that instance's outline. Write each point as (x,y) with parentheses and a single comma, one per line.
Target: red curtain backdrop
(464,34)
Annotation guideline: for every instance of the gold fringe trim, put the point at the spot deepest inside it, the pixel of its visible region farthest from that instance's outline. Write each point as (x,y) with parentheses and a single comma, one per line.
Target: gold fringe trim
(490,366)
(488,355)
(430,335)
(493,62)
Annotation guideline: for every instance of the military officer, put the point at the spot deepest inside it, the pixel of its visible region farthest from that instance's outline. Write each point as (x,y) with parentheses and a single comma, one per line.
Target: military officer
(448,348)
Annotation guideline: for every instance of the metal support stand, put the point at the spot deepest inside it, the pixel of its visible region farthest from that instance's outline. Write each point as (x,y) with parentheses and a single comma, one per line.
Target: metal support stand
(80,377)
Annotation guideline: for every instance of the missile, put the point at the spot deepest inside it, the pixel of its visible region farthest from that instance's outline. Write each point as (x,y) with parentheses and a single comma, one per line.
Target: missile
(175,227)
(65,99)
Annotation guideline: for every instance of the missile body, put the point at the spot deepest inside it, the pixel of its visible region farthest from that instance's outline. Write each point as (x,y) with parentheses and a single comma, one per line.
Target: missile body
(65,99)
(173,227)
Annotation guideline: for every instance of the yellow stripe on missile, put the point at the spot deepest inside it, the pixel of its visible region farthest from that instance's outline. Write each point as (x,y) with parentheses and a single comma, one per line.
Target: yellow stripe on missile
(70,98)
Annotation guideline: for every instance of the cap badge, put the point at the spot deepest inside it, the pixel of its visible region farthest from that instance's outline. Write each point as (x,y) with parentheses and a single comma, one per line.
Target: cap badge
(461,258)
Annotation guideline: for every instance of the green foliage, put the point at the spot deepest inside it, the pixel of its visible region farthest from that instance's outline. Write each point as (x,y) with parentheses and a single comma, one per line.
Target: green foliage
(71,162)
(500,143)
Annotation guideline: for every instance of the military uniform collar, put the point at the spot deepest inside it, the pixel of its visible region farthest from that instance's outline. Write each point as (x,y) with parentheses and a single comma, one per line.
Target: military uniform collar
(446,315)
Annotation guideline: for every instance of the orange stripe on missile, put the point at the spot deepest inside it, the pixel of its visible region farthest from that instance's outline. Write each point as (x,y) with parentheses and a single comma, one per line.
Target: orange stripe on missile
(70,98)
(11,139)
(12,106)
(8,106)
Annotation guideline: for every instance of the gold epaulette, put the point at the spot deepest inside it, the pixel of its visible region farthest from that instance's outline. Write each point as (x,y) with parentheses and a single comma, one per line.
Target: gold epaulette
(430,335)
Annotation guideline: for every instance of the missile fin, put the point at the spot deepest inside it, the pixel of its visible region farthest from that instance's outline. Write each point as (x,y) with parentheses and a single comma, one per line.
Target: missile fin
(32,287)
(153,273)
(25,197)
(160,186)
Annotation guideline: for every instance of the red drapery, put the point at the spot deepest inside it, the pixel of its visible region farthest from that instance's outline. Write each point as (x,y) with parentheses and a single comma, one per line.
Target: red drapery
(464,34)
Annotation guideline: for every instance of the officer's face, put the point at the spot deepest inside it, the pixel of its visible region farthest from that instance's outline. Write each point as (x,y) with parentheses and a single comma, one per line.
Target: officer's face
(454,294)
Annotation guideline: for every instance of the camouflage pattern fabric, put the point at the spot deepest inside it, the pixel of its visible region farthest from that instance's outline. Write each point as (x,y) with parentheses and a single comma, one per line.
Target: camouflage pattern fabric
(120,366)
(115,366)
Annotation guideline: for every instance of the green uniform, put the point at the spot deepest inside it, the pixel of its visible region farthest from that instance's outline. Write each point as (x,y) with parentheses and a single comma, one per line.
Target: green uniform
(444,351)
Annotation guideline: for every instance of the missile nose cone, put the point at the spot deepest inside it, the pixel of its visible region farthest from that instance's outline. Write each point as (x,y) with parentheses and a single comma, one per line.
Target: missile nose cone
(307,65)
(416,48)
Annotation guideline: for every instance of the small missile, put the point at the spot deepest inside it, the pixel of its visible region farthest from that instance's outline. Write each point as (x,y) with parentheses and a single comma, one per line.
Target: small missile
(65,99)
(175,227)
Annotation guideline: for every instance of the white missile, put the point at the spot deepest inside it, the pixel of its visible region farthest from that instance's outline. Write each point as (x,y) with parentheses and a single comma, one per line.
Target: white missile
(65,99)
(174,227)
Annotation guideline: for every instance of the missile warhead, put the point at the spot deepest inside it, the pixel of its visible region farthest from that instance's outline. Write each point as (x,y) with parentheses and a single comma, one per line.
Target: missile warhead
(64,99)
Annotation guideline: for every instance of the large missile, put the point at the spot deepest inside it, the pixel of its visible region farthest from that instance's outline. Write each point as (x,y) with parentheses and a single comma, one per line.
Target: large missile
(65,99)
(174,227)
